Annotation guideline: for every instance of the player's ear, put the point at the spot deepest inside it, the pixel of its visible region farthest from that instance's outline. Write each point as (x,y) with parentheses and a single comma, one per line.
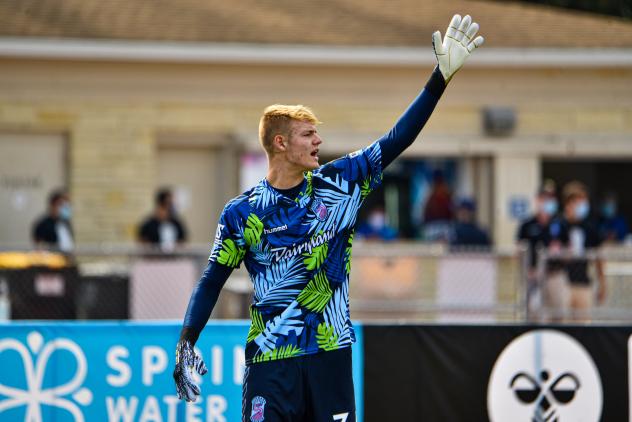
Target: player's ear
(279,143)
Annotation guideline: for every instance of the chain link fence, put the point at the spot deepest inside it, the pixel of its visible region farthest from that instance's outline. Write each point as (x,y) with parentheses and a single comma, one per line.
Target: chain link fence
(98,283)
(389,281)
(578,287)
(433,283)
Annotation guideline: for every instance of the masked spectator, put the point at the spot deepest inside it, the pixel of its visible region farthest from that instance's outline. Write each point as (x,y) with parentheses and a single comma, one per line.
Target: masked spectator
(612,226)
(375,227)
(163,229)
(535,230)
(466,231)
(571,294)
(54,229)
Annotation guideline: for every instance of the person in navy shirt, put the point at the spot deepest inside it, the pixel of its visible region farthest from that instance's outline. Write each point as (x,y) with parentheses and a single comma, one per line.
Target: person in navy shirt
(537,234)
(375,226)
(293,232)
(571,294)
(535,230)
(54,230)
(163,229)
(466,233)
(612,225)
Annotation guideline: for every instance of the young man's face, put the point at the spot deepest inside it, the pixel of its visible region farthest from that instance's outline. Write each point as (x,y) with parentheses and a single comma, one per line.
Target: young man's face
(302,146)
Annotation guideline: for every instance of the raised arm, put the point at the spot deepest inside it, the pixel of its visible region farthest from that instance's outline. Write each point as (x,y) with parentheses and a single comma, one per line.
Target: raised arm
(451,53)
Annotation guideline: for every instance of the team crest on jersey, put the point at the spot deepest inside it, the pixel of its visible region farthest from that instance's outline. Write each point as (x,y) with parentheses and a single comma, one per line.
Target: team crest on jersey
(258,407)
(319,209)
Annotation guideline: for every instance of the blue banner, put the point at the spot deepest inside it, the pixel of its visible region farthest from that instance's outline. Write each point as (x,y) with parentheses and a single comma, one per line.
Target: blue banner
(122,372)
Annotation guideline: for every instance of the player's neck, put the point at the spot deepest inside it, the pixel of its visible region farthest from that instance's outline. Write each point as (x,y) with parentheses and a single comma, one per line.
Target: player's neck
(282,173)
(282,177)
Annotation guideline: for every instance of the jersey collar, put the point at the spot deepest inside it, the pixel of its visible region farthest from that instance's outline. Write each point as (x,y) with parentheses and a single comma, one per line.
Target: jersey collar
(264,194)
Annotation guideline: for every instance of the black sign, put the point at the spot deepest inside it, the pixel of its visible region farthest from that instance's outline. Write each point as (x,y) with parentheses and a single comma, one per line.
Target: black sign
(500,373)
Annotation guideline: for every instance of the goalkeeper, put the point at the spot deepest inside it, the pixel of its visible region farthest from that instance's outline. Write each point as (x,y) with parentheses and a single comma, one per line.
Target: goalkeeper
(294,231)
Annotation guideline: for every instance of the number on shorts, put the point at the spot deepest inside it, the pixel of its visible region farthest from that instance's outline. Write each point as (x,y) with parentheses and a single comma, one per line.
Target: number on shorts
(342,417)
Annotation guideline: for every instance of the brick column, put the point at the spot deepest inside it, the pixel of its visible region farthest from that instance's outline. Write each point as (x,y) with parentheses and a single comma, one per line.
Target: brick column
(112,173)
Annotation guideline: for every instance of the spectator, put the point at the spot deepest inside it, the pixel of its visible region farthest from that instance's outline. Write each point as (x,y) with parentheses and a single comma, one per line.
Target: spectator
(466,231)
(571,295)
(163,229)
(612,226)
(54,229)
(375,226)
(438,213)
(536,232)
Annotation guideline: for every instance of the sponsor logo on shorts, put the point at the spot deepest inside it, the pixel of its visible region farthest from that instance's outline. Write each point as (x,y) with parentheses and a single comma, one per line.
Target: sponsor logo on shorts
(342,417)
(258,407)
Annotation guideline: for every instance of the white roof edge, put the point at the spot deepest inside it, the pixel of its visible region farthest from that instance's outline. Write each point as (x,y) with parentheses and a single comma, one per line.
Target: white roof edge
(181,52)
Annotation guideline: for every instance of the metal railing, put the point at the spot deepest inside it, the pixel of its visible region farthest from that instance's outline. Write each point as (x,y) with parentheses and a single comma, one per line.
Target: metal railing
(389,281)
(566,286)
(435,283)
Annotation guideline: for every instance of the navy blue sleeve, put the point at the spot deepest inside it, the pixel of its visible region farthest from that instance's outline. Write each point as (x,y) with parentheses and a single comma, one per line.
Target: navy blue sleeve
(203,300)
(405,131)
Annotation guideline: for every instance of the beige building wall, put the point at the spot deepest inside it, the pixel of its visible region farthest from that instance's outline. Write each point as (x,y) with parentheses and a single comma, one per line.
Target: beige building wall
(202,173)
(115,115)
(31,166)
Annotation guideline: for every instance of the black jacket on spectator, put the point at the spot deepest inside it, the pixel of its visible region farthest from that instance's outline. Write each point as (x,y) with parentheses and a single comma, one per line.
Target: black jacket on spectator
(538,236)
(45,230)
(577,268)
(150,230)
(469,234)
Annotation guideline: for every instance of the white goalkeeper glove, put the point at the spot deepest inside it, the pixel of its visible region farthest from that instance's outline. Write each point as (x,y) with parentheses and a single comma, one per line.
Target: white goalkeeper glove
(457,45)
(186,361)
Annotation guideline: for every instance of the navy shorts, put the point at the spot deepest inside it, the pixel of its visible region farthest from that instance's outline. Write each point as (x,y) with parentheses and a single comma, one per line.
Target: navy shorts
(311,388)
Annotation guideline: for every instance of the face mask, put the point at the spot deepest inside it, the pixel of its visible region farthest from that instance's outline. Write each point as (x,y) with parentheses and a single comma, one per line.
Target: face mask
(581,210)
(609,209)
(377,221)
(65,211)
(549,207)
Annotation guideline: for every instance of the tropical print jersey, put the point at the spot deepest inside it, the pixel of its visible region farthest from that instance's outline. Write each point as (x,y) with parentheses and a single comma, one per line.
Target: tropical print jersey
(298,254)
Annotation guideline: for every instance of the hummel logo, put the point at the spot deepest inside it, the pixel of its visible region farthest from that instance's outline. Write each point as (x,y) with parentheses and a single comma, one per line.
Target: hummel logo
(275,229)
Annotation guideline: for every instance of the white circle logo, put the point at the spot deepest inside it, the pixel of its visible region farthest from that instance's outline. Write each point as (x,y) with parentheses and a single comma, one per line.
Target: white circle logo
(544,375)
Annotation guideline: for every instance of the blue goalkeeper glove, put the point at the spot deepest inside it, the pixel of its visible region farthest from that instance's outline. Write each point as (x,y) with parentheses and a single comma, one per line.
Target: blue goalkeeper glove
(457,45)
(187,360)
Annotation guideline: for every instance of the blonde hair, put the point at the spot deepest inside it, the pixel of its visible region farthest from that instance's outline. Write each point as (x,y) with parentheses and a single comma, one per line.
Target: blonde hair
(276,120)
